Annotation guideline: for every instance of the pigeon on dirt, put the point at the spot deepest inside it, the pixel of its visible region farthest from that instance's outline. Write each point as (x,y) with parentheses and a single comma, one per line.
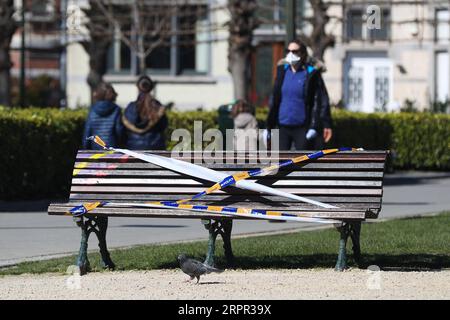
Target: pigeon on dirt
(194,268)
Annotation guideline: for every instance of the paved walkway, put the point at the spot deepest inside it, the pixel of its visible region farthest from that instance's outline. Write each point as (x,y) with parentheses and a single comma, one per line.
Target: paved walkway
(28,233)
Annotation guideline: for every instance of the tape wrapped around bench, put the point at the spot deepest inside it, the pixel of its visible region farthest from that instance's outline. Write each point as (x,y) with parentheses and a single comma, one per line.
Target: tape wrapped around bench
(352,181)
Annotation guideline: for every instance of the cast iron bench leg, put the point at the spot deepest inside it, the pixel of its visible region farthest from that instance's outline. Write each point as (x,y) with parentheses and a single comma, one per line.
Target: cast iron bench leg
(226,236)
(102,223)
(82,259)
(98,225)
(355,232)
(222,227)
(352,229)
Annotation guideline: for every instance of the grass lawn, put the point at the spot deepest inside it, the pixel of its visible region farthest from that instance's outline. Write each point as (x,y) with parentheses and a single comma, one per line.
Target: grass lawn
(404,244)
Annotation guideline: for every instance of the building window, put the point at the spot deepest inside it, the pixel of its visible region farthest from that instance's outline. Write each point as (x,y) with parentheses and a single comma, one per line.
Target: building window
(119,58)
(272,14)
(355,86)
(442,32)
(184,51)
(356,26)
(368,81)
(193,49)
(442,76)
(262,74)
(41,16)
(382,75)
(42,8)
(159,59)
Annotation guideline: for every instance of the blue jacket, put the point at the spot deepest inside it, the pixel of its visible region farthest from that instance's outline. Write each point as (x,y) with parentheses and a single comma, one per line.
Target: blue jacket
(139,135)
(103,120)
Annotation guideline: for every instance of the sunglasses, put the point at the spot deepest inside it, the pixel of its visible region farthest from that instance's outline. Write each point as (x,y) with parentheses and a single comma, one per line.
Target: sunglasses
(293,51)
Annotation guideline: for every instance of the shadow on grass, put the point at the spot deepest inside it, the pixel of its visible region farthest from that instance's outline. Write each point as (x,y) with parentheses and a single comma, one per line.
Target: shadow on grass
(406,262)
(401,262)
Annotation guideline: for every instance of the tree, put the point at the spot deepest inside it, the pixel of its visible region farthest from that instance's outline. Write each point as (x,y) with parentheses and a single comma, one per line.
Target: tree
(101,33)
(8,26)
(318,40)
(142,25)
(241,25)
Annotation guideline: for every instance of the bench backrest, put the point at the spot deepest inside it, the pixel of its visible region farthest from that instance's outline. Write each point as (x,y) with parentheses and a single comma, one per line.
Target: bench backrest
(349,180)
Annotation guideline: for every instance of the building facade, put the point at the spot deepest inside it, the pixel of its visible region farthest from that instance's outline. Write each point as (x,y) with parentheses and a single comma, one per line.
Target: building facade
(404,59)
(385,55)
(374,65)
(190,73)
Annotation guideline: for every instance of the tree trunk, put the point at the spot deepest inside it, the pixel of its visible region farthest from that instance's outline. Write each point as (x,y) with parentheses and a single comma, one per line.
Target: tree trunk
(101,34)
(5,78)
(98,53)
(241,26)
(238,65)
(141,70)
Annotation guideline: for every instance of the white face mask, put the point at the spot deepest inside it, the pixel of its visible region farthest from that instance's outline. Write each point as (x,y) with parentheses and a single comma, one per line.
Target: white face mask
(292,58)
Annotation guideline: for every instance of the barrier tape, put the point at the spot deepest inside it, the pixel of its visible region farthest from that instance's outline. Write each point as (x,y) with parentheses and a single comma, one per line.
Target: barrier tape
(225,181)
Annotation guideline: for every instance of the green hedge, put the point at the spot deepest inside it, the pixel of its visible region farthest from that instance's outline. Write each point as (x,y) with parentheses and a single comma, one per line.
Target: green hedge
(186,120)
(38,146)
(417,140)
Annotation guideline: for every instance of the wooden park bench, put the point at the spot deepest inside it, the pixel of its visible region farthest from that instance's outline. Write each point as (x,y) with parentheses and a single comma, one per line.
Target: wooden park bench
(352,181)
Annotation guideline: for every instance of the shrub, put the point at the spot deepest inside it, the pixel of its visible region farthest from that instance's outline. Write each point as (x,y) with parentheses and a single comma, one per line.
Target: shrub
(38,146)
(186,120)
(417,140)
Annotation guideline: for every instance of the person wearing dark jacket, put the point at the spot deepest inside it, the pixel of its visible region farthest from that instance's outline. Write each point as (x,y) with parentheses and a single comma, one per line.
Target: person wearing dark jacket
(145,120)
(326,121)
(299,107)
(103,119)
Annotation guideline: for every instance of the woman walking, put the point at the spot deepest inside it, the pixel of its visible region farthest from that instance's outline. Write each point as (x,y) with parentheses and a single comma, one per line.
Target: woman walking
(298,101)
(145,120)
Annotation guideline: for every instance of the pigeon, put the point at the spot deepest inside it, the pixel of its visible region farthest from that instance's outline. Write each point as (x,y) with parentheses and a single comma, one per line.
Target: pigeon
(194,268)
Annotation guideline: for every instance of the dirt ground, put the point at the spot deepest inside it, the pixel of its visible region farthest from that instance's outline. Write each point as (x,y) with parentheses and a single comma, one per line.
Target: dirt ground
(231,284)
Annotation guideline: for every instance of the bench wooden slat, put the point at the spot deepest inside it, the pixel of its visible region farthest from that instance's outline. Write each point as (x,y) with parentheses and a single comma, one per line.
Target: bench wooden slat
(236,154)
(70,204)
(61,209)
(230,153)
(248,166)
(220,197)
(193,190)
(201,161)
(269,205)
(120,171)
(191,182)
(235,158)
(373,203)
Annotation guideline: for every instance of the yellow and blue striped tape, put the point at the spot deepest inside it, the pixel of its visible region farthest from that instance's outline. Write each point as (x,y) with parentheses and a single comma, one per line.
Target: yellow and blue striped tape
(228,181)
